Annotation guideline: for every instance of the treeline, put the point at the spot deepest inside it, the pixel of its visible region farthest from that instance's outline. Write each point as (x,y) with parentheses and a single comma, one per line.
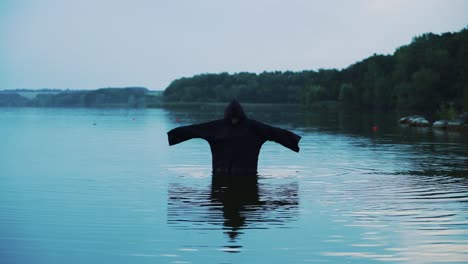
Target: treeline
(424,76)
(137,97)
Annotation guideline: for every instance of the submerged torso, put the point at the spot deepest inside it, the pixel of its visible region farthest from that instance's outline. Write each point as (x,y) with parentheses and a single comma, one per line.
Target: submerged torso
(235,149)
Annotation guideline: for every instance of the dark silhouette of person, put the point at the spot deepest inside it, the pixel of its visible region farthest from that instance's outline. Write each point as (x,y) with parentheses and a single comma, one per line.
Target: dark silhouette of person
(235,141)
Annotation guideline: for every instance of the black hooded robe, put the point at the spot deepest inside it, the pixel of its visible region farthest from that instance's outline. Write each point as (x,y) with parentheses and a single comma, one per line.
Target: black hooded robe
(235,147)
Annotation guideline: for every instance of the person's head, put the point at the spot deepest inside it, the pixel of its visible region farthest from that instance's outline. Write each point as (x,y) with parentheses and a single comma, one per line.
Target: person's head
(234,113)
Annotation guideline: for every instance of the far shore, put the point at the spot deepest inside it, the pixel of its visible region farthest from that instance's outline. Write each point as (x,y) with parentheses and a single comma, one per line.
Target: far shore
(326,105)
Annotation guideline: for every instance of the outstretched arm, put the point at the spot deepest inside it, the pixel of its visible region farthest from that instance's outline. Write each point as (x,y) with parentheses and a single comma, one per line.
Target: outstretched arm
(183,133)
(281,136)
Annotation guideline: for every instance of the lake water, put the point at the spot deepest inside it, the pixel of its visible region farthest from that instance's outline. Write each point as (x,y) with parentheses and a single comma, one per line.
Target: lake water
(103,186)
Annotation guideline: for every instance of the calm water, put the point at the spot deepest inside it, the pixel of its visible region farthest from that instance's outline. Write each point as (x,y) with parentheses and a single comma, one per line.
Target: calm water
(103,186)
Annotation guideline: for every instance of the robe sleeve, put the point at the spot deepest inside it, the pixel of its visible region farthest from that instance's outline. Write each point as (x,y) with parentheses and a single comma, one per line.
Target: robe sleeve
(281,136)
(183,133)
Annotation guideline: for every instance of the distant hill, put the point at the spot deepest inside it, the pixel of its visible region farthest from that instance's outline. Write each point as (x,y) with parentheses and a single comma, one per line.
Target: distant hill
(137,97)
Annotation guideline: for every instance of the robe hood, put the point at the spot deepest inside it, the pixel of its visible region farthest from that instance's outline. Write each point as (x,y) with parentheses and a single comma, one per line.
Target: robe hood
(234,110)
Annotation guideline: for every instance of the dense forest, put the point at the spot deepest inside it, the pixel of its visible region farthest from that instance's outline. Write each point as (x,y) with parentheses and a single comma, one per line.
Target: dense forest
(425,76)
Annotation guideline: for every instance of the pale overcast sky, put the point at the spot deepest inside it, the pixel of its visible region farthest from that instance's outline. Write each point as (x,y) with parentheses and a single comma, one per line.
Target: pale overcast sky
(87,44)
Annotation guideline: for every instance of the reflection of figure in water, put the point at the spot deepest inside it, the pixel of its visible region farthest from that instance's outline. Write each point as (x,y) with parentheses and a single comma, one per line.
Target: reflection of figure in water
(235,141)
(235,196)
(236,204)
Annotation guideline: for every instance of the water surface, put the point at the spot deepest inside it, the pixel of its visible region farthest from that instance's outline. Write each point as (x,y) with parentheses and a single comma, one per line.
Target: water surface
(103,186)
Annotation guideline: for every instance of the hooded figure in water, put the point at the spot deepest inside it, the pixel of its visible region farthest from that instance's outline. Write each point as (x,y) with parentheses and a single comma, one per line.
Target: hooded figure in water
(235,141)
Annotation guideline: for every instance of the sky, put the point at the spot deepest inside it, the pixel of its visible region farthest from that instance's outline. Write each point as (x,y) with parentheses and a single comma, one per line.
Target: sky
(89,44)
